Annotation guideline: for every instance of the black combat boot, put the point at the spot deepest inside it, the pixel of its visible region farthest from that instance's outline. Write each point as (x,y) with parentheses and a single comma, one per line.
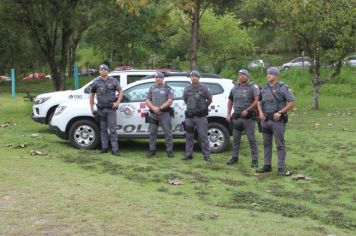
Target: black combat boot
(170,154)
(151,153)
(281,172)
(207,158)
(116,153)
(186,158)
(254,163)
(265,168)
(232,161)
(104,150)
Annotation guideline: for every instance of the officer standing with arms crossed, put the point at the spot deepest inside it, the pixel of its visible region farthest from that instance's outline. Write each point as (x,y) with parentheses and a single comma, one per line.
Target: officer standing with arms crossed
(244,98)
(277,100)
(105,88)
(197,97)
(159,100)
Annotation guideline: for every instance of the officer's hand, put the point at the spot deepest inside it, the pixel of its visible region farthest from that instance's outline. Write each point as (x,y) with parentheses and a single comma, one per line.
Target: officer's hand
(115,105)
(228,117)
(156,110)
(244,113)
(276,116)
(262,116)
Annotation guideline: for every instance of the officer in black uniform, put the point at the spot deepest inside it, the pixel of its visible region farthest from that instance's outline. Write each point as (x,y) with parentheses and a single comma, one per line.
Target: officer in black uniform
(244,98)
(198,98)
(105,88)
(159,100)
(277,100)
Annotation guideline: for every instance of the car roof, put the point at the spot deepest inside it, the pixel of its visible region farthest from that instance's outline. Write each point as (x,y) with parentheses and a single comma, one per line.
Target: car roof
(221,81)
(183,74)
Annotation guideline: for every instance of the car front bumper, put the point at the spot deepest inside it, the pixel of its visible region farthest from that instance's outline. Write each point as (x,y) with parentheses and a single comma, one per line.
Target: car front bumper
(58,132)
(41,120)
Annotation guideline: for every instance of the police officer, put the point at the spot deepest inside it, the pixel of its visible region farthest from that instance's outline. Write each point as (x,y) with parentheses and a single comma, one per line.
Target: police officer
(244,98)
(197,97)
(105,88)
(159,100)
(277,100)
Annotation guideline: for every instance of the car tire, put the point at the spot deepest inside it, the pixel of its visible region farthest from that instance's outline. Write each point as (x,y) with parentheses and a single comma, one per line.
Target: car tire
(286,68)
(218,136)
(84,134)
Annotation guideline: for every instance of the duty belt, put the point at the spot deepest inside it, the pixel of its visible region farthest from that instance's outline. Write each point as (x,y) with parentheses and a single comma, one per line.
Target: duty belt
(197,114)
(283,118)
(250,115)
(102,106)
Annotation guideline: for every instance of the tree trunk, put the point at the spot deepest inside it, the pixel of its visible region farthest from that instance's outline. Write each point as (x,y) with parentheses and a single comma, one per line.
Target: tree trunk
(315,97)
(195,32)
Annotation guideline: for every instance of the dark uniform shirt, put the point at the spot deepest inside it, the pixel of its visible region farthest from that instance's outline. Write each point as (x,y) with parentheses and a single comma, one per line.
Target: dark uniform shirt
(158,95)
(196,98)
(275,98)
(106,90)
(243,96)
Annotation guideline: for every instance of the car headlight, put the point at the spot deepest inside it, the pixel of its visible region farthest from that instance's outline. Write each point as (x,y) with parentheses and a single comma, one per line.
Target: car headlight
(40,100)
(59,110)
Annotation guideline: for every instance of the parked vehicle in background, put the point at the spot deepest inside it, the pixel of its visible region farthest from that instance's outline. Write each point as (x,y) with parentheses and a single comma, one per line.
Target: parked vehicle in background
(350,61)
(299,62)
(257,64)
(74,121)
(35,76)
(45,104)
(5,78)
(90,71)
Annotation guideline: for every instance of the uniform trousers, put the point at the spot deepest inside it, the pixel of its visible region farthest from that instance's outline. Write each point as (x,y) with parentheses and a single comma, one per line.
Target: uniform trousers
(108,128)
(276,129)
(201,124)
(165,121)
(248,125)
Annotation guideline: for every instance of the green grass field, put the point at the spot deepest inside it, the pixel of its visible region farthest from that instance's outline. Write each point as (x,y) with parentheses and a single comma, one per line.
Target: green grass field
(78,192)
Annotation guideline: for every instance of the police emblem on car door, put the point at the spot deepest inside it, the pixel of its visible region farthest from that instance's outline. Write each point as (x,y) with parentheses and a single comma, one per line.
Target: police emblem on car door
(132,111)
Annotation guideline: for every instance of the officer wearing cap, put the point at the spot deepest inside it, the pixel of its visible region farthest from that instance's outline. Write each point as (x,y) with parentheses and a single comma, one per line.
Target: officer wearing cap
(197,97)
(105,88)
(159,99)
(277,100)
(243,98)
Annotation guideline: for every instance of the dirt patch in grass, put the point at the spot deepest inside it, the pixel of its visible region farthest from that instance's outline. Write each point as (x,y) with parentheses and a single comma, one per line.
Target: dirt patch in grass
(111,168)
(230,181)
(252,201)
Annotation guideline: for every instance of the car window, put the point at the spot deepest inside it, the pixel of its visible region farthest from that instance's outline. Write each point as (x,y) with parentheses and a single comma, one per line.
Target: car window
(214,88)
(133,78)
(297,60)
(87,89)
(178,88)
(137,93)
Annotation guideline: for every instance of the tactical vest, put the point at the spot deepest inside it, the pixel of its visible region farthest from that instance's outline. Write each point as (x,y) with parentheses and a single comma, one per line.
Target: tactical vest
(197,100)
(160,94)
(106,91)
(272,98)
(243,97)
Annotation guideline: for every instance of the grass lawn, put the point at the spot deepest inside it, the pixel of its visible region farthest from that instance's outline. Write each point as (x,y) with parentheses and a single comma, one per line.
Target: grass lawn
(78,192)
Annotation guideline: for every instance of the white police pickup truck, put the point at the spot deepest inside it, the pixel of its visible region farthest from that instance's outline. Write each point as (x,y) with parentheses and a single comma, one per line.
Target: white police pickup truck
(74,121)
(45,104)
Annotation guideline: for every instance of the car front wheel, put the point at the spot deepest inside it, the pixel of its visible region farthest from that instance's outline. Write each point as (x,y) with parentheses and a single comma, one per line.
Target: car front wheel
(84,134)
(218,136)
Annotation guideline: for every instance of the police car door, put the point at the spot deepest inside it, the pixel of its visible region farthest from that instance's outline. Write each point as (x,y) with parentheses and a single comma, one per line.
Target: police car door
(132,110)
(178,106)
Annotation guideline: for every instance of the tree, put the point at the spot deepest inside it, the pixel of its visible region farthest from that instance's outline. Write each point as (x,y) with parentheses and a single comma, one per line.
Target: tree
(55,26)
(193,8)
(321,25)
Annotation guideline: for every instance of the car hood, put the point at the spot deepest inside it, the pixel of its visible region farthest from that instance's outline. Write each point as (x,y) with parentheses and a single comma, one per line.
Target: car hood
(57,94)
